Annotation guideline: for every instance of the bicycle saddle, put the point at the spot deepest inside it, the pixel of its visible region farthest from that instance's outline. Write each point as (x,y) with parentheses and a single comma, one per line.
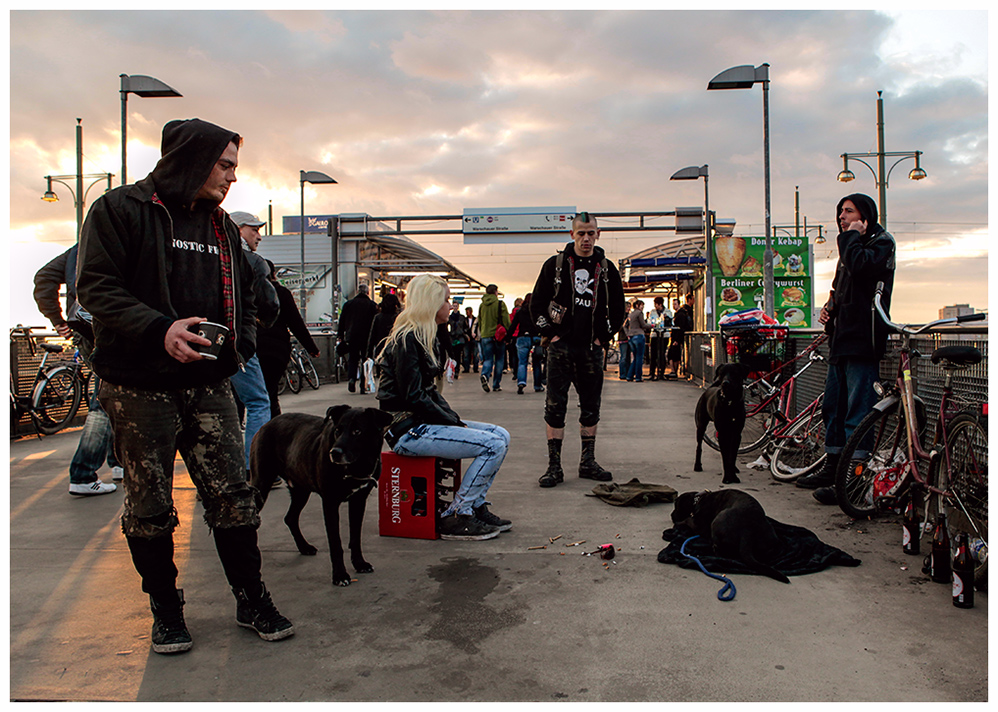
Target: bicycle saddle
(957,355)
(51,348)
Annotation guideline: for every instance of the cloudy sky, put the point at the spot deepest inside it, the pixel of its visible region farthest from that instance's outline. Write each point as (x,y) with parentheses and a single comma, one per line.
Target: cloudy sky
(429,113)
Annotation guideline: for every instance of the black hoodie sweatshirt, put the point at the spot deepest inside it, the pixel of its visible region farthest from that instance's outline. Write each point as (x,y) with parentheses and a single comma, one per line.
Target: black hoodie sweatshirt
(864,260)
(136,282)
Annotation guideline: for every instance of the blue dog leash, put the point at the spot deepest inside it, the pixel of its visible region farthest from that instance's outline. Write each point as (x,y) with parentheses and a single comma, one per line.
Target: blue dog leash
(727,592)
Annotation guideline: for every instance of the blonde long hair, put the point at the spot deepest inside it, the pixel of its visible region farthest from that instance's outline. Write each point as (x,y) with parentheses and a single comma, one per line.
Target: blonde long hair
(423,298)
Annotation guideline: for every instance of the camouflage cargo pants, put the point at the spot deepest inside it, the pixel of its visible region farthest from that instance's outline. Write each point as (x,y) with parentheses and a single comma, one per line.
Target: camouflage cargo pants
(150,427)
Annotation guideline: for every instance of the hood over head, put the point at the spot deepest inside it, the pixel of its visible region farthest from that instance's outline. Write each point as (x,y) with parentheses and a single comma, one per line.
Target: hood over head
(867,208)
(190,148)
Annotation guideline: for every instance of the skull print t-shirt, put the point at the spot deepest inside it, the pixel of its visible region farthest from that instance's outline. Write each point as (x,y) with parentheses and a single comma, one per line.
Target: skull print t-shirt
(584,299)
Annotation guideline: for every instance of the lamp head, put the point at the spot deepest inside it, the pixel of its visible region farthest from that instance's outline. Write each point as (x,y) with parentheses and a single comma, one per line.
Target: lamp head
(314,177)
(845,176)
(50,196)
(917,174)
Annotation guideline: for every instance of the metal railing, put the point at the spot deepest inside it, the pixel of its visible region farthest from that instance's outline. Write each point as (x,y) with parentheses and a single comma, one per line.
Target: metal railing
(705,351)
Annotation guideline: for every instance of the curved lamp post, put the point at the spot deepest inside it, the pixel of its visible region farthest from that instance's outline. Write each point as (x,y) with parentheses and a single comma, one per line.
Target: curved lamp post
(693,173)
(303,178)
(140,85)
(744,77)
(79,195)
(880,176)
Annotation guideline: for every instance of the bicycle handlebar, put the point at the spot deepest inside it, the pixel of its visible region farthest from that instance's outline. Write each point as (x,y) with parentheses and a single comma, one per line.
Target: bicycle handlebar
(916,328)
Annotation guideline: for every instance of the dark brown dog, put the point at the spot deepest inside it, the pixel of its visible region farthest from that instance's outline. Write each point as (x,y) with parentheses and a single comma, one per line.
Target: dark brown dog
(338,456)
(735,523)
(724,404)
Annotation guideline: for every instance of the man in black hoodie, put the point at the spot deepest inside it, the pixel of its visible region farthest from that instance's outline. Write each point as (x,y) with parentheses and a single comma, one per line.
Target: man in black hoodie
(578,305)
(156,259)
(857,336)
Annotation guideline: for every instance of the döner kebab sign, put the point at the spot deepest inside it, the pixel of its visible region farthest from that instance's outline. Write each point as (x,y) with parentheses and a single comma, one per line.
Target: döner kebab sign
(738,277)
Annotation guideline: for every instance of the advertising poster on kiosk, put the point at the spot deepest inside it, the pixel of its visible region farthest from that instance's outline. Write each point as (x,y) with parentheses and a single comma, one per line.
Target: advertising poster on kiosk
(738,277)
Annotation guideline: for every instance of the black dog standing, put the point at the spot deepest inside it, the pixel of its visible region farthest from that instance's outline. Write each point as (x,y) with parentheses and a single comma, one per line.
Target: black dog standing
(338,456)
(724,404)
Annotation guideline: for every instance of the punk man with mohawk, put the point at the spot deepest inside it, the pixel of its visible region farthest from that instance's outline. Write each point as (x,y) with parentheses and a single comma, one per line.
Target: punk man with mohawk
(577,304)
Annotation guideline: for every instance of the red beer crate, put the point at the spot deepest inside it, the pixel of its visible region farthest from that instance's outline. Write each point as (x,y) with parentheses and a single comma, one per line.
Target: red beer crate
(412,492)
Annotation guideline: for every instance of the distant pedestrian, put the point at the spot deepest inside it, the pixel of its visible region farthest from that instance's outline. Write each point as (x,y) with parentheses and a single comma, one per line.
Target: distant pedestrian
(637,327)
(492,314)
(528,347)
(356,318)
(273,344)
(660,319)
(682,325)
(471,349)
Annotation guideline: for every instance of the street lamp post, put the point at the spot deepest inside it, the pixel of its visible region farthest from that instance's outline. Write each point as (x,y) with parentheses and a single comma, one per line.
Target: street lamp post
(744,77)
(80,195)
(881,176)
(303,178)
(693,173)
(140,85)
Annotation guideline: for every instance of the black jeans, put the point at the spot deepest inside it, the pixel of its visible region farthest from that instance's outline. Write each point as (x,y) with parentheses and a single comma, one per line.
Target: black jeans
(581,367)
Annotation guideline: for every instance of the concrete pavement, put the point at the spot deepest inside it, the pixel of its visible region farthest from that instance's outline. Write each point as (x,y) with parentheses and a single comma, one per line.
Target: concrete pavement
(493,620)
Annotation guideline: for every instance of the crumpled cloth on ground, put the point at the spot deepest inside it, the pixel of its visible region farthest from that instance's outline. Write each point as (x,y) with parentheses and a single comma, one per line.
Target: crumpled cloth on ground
(801,553)
(633,494)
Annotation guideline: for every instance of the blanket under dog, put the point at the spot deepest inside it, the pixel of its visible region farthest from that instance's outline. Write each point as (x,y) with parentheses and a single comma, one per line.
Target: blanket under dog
(801,552)
(634,493)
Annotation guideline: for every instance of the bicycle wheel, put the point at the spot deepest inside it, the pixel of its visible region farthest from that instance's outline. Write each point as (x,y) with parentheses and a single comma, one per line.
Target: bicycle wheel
(760,420)
(801,450)
(308,369)
(883,434)
(56,399)
(293,377)
(966,485)
(282,383)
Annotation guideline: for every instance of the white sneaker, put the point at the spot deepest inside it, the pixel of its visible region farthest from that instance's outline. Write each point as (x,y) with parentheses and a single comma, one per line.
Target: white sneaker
(91,488)
(117,474)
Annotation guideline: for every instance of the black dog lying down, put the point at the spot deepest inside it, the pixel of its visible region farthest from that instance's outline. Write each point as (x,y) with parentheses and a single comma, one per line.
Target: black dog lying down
(724,404)
(338,456)
(735,523)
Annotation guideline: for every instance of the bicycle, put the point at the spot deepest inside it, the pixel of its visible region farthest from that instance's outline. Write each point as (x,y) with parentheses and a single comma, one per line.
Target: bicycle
(883,461)
(300,358)
(56,391)
(291,378)
(797,441)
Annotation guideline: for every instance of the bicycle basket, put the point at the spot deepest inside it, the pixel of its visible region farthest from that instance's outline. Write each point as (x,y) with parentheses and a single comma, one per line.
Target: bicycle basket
(758,348)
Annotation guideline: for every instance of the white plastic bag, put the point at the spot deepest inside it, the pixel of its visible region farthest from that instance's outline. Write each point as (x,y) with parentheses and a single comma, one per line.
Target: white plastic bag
(369,382)
(449,369)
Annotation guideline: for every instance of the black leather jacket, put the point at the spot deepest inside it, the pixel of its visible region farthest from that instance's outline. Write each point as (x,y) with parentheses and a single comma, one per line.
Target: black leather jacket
(407,389)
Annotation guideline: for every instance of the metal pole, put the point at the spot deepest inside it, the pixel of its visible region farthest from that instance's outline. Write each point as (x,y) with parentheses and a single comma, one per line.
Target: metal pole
(881,173)
(796,211)
(79,178)
(301,288)
(709,243)
(124,128)
(768,258)
(333,229)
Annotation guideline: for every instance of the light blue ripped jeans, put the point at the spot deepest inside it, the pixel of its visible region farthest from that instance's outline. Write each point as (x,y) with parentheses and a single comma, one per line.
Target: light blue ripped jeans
(484,442)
